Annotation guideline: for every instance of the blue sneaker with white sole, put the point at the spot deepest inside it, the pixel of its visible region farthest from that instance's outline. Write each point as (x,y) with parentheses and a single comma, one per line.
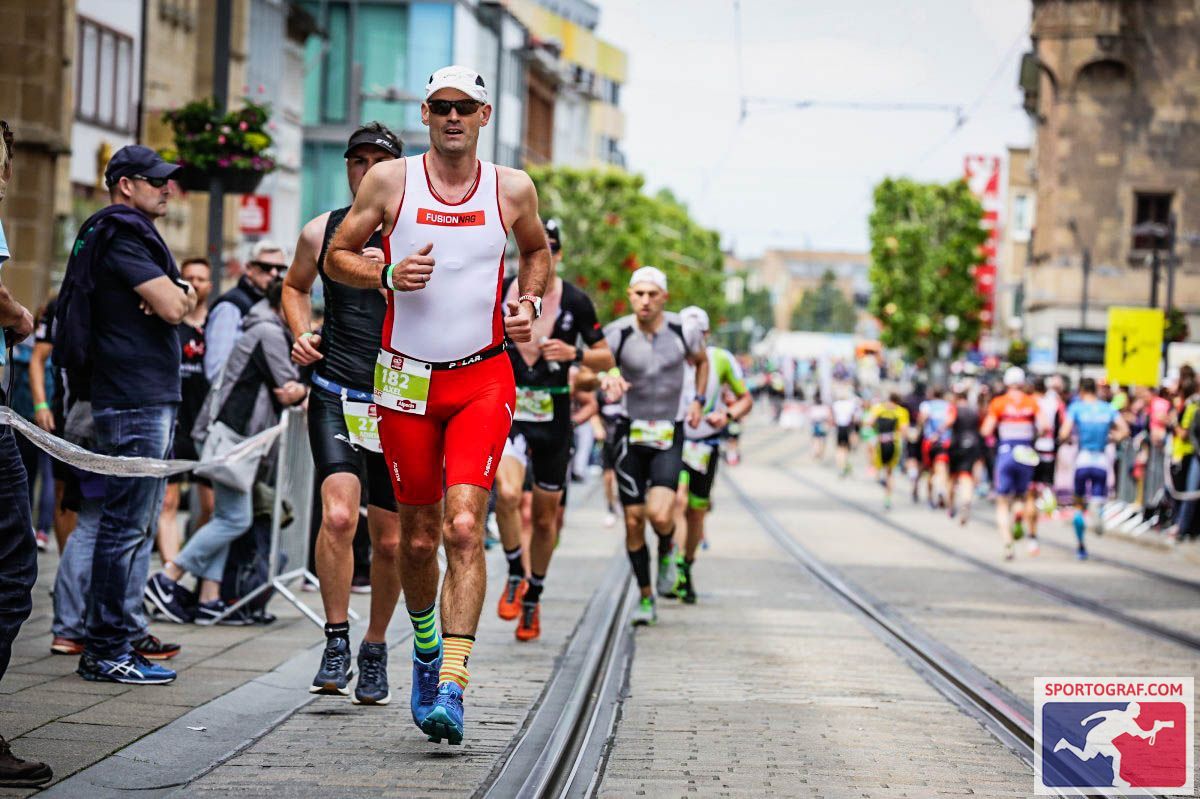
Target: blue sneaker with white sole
(424,687)
(445,720)
(128,669)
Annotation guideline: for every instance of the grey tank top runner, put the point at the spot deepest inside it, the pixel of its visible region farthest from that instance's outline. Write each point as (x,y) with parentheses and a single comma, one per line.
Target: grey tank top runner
(655,366)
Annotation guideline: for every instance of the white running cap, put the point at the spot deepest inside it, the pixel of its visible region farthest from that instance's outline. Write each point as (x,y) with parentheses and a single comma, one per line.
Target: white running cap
(1014,376)
(649,274)
(465,79)
(697,315)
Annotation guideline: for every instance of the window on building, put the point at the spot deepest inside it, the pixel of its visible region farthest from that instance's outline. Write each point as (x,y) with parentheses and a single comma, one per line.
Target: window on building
(104,77)
(1149,209)
(1022,217)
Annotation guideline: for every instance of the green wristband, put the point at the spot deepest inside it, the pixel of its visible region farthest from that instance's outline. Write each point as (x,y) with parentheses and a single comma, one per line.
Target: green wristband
(41,406)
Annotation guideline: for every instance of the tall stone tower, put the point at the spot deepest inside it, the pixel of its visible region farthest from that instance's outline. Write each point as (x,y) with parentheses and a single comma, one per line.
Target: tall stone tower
(1114,89)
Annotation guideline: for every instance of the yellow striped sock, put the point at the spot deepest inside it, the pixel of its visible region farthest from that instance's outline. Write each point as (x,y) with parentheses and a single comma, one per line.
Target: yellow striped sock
(456,651)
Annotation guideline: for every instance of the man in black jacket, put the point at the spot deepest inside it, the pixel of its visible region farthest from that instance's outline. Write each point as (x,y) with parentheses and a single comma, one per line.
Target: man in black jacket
(136,297)
(267,264)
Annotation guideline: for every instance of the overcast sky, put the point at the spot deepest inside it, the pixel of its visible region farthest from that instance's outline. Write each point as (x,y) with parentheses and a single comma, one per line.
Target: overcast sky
(803,178)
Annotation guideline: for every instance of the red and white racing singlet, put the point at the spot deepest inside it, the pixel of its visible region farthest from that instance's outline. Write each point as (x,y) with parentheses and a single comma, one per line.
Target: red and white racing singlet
(458,312)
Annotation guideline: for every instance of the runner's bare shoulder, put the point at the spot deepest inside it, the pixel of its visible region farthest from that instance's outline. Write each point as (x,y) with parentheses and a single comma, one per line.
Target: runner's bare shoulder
(518,195)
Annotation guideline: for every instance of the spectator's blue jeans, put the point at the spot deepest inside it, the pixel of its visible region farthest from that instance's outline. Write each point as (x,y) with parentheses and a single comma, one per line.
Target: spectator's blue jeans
(205,552)
(74,581)
(18,548)
(127,513)
(1187,508)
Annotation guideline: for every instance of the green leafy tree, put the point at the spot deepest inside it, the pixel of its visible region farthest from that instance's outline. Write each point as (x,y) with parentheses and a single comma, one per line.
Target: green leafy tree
(824,309)
(610,227)
(925,244)
(734,332)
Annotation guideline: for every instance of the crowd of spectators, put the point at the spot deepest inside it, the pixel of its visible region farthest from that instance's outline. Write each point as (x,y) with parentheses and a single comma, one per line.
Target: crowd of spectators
(129,359)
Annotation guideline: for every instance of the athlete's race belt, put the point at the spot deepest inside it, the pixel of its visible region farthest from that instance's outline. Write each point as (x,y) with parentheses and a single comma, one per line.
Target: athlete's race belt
(359,411)
(536,403)
(402,383)
(698,455)
(653,434)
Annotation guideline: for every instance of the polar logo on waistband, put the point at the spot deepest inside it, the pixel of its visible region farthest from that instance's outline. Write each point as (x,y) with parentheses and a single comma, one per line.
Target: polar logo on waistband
(462,219)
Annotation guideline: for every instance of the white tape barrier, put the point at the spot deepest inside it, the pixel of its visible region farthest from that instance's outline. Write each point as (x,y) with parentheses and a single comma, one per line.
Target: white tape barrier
(81,458)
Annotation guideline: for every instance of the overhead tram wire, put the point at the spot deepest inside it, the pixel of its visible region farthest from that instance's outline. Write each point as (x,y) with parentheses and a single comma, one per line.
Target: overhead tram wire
(959,123)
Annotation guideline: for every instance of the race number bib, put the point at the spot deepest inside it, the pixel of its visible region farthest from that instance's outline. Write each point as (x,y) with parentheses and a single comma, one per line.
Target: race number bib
(402,384)
(534,405)
(1026,455)
(362,424)
(697,455)
(656,435)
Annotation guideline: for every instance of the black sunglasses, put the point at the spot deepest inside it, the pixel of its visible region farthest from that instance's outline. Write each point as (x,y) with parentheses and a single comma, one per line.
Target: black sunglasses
(269,267)
(464,108)
(157,183)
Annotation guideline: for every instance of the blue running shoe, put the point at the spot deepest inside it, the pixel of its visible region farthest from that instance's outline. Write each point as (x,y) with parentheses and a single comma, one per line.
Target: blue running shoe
(445,720)
(333,678)
(424,688)
(372,688)
(128,669)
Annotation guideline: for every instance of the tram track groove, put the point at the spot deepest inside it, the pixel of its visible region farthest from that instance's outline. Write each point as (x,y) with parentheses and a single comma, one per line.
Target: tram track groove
(559,750)
(1062,596)
(1007,717)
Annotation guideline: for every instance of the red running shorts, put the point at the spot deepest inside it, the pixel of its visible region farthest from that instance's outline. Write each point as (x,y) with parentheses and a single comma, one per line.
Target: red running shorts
(466,422)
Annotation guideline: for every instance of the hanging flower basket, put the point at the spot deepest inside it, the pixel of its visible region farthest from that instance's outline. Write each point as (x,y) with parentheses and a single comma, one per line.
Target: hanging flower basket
(232,146)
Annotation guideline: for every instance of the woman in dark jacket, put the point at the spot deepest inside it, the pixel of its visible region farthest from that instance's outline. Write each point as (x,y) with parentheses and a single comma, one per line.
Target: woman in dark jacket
(258,380)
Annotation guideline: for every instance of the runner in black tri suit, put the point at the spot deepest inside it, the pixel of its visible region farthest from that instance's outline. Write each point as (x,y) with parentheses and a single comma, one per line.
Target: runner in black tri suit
(344,437)
(966,449)
(542,433)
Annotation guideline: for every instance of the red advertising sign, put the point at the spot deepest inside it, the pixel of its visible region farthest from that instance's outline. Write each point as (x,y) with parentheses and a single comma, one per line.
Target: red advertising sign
(254,214)
(982,173)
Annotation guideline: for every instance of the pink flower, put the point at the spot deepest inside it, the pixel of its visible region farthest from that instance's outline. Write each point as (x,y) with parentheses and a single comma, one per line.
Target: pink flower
(261,90)
(243,126)
(221,139)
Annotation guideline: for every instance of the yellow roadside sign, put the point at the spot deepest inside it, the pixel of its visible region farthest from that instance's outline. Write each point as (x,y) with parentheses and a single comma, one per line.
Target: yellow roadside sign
(1133,349)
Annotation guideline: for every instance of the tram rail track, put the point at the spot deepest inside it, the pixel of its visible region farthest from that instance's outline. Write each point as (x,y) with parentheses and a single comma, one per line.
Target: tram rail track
(1007,717)
(1060,595)
(561,749)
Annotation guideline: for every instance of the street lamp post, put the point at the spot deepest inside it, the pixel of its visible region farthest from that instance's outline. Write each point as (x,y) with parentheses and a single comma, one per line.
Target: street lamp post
(1087,272)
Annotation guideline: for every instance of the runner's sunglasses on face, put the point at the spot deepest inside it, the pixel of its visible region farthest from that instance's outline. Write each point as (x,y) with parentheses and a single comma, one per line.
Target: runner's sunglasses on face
(464,108)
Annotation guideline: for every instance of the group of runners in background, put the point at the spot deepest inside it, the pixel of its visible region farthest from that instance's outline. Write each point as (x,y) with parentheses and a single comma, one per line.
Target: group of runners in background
(946,441)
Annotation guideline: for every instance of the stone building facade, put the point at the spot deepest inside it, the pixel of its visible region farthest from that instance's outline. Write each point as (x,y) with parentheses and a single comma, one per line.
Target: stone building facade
(36,100)
(1114,89)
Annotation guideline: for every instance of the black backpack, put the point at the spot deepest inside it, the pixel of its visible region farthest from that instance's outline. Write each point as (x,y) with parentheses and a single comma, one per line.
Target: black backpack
(248,567)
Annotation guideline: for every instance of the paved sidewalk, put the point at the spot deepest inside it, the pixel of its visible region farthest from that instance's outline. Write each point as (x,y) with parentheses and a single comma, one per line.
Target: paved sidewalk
(49,713)
(333,748)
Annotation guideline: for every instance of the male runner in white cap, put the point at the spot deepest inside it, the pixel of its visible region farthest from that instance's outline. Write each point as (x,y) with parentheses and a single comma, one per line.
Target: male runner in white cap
(443,385)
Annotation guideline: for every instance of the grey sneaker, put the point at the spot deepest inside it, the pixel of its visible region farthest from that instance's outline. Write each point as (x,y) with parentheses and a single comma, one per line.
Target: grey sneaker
(333,678)
(667,573)
(645,613)
(372,688)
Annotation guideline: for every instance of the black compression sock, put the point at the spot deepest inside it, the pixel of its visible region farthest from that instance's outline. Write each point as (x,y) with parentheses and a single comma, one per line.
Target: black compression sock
(515,569)
(665,542)
(640,560)
(339,630)
(534,592)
